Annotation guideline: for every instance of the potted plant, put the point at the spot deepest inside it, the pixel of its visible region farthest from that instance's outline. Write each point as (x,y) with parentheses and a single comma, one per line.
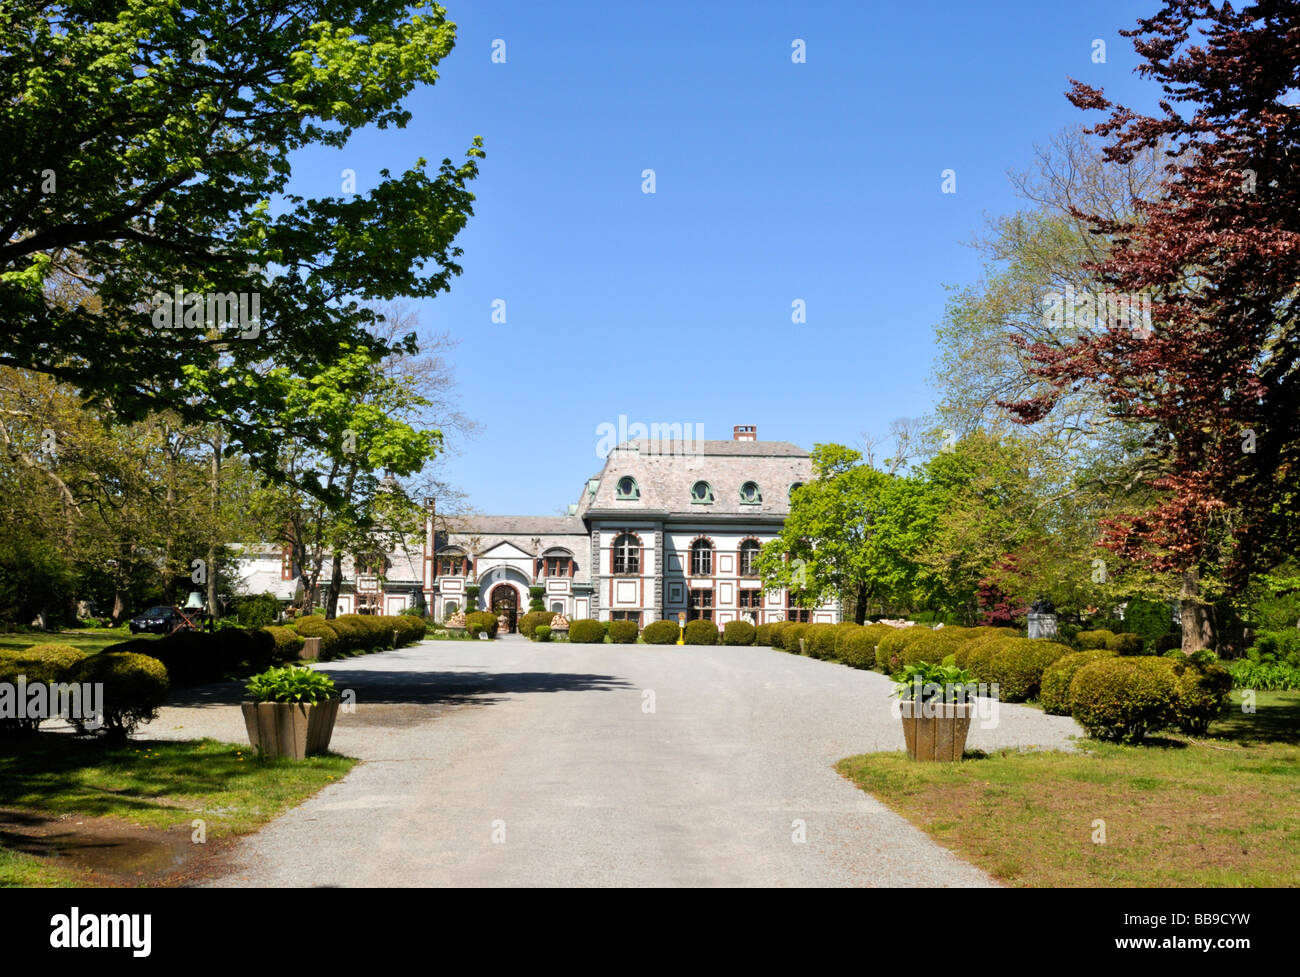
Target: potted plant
(936,703)
(291,712)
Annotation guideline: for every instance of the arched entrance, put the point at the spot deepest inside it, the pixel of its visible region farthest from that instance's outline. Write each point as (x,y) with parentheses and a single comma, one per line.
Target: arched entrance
(504,602)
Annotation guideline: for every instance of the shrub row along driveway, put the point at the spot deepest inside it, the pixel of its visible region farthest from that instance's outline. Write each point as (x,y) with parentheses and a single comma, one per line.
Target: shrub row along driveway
(510,763)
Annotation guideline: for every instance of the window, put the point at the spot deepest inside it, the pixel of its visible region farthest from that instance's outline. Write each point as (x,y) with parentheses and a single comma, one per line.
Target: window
(701,605)
(702,558)
(627,488)
(556,566)
(795,613)
(748,555)
(453,566)
(627,554)
(793,486)
(634,616)
(751,598)
(286,564)
(449,608)
(749,494)
(557,607)
(702,492)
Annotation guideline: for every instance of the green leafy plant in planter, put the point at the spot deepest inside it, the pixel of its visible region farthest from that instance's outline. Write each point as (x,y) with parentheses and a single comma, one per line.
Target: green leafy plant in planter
(291,712)
(935,703)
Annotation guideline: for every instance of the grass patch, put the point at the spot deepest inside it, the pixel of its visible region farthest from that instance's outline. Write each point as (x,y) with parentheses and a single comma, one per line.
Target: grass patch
(90,640)
(151,784)
(29,872)
(1180,811)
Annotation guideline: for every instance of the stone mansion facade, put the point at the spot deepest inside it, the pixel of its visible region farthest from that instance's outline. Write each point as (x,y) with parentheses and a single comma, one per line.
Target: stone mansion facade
(666,529)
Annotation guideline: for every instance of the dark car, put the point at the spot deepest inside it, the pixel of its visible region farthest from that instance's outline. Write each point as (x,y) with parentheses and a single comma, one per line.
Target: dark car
(158,620)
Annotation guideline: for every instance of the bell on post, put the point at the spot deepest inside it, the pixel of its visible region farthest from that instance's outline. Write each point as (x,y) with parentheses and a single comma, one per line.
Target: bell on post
(194,602)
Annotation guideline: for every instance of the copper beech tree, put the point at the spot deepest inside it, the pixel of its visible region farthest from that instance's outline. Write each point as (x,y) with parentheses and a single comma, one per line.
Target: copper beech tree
(1217,255)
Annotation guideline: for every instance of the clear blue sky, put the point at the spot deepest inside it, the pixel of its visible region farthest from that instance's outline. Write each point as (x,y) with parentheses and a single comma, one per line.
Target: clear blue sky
(776,181)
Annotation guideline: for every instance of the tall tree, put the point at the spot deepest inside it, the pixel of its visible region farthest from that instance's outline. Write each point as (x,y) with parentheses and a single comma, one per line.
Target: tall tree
(1218,253)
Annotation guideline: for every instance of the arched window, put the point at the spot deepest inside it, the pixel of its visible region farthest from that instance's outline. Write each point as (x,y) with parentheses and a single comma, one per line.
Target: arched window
(793,486)
(749,494)
(627,488)
(627,554)
(748,554)
(557,607)
(702,492)
(702,558)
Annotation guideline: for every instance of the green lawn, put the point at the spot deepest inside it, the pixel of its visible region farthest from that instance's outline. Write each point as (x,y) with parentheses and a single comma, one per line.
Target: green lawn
(89,640)
(1179,811)
(150,784)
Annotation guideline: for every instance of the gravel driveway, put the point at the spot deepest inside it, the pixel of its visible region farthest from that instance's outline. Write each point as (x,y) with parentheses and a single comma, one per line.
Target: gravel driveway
(513,763)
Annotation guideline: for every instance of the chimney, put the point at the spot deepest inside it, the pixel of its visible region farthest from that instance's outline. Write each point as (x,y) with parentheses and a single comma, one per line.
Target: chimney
(744,432)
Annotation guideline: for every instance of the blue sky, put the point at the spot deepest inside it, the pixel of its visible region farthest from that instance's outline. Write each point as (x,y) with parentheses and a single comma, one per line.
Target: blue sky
(775,181)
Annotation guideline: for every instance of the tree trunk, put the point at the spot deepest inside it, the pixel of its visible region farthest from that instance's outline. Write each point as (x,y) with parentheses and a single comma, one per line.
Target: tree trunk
(860,611)
(336,584)
(214,487)
(1198,626)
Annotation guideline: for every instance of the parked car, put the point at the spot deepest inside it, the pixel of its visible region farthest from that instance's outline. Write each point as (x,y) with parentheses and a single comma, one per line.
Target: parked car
(158,620)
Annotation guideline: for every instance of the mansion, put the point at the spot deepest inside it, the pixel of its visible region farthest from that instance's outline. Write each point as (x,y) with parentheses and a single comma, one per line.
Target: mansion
(667,529)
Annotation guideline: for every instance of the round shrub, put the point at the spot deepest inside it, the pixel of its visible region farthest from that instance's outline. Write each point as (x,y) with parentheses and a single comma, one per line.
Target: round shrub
(622,632)
(976,656)
(763,635)
(587,631)
(738,633)
(661,633)
(1088,640)
(1125,644)
(45,663)
(819,640)
(285,644)
(1054,693)
(791,634)
(858,647)
(1017,666)
(775,639)
(889,650)
(542,632)
(134,687)
(928,646)
(527,623)
(481,622)
(354,632)
(1201,695)
(331,646)
(258,611)
(1123,699)
(701,632)
(842,632)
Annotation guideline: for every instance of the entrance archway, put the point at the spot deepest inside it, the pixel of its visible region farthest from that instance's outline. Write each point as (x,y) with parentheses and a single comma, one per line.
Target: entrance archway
(504,602)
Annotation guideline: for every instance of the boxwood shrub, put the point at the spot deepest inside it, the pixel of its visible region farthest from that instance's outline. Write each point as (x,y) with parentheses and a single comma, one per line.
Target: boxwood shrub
(928,646)
(44,663)
(622,632)
(527,623)
(1124,699)
(738,633)
(819,641)
(1017,665)
(701,632)
(542,632)
(660,633)
(763,635)
(1125,644)
(1148,619)
(858,647)
(774,635)
(889,650)
(134,687)
(587,631)
(315,626)
(1054,693)
(285,644)
(481,622)
(1201,694)
(1088,640)
(791,634)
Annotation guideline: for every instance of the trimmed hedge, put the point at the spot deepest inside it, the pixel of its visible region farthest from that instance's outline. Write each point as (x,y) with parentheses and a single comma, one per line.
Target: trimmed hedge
(1017,665)
(1124,699)
(587,631)
(622,632)
(40,664)
(1201,695)
(1089,640)
(315,626)
(763,635)
(660,633)
(134,687)
(528,623)
(1054,694)
(1125,644)
(858,648)
(701,632)
(774,636)
(791,634)
(542,632)
(285,644)
(889,650)
(738,633)
(481,622)
(929,646)
(1150,620)
(819,640)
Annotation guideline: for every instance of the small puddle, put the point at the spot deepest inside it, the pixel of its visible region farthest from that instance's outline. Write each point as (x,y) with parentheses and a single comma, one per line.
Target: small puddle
(106,848)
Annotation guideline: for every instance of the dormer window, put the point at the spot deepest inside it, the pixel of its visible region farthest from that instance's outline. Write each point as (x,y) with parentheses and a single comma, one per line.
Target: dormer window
(702,492)
(749,494)
(627,488)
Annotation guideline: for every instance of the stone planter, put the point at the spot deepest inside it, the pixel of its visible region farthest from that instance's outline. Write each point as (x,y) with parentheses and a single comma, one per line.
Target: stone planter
(290,729)
(936,730)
